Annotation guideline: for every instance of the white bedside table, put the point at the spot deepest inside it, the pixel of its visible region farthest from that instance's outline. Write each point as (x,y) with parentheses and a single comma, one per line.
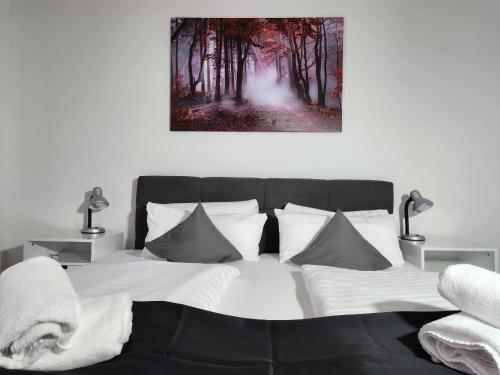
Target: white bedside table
(435,254)
(72,248)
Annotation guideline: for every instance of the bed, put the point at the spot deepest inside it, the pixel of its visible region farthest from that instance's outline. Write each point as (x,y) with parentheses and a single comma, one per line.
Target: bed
(264,321)
(266,289)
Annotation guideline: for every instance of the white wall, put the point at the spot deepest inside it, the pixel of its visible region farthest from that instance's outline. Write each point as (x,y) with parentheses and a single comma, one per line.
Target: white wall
(4,116)
(90,98)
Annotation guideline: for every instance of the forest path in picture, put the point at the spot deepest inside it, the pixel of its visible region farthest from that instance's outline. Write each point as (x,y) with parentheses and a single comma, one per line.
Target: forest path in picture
(256,74)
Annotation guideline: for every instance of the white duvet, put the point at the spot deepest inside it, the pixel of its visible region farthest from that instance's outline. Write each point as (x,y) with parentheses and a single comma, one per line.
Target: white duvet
(192,284)
(338,291)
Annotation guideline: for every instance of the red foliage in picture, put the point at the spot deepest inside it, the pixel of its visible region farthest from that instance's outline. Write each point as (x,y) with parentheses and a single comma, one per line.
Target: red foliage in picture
(256,74)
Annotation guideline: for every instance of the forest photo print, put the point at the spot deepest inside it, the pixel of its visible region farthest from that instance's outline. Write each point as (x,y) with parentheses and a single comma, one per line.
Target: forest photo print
(256,74)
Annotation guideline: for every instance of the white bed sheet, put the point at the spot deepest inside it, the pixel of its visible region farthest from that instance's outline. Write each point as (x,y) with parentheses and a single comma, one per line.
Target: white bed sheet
(197,285)
(265,289)
(337,291)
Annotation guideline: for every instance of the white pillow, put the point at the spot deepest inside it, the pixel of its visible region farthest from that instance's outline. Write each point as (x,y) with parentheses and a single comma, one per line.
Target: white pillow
(249,207)
(290,207)
(309,210)
(243,231)
(379,230)
(161,219)
(376,226)
(296,231)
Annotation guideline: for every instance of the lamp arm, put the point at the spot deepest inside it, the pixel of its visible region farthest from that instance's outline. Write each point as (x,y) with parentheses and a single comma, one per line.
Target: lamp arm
(407,223)
(89,218)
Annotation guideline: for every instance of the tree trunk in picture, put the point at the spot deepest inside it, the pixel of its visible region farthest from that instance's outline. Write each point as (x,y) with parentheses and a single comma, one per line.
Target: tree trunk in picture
(318,54)
(231,57)
(295,74)
(290,77)
(176,78)
(339,67)
(193,82)
(218,60)
(304,77)
(192,46)
(203,49)
(209,66)
(239,70)
(209,79)
(203,53)
(245,71)
(226,66)
(241,57)
(325,58)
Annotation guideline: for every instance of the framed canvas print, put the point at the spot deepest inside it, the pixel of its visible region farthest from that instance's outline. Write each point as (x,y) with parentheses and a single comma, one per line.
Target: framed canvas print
(256,74)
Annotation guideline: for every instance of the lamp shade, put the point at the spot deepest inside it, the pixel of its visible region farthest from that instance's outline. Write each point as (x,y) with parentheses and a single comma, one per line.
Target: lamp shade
(97,202)
(420,204)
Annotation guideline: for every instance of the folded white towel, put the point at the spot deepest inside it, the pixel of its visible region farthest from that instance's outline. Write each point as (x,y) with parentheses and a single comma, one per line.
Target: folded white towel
(474,290)
(464,343)
(45,326)
(105,325)
(39,311)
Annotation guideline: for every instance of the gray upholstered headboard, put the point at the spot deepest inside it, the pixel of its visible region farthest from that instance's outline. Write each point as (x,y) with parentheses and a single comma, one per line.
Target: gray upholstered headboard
(271,193)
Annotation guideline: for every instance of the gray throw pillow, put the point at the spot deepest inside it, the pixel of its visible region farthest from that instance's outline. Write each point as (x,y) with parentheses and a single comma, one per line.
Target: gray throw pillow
(195,240)
(339,244)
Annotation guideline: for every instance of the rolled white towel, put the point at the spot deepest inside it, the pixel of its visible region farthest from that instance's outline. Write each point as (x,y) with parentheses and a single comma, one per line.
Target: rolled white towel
(105,326)
(39,311)
(474,290)
(462,342)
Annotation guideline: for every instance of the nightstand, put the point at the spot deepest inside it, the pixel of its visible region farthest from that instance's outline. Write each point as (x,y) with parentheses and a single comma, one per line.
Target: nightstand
(435,254)
(72,248)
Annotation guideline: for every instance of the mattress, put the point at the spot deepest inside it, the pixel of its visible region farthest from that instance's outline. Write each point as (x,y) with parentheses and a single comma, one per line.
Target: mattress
(268,289)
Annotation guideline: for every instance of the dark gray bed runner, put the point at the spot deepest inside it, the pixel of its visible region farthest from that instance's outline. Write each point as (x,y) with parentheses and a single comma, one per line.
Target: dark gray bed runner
(174,339)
